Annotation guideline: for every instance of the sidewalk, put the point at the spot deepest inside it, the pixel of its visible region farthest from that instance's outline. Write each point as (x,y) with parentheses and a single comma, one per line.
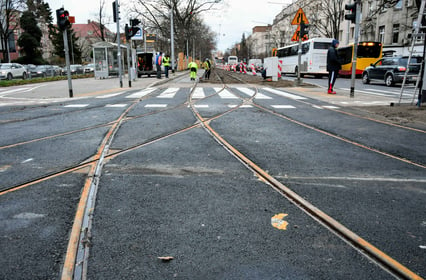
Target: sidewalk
(342,98)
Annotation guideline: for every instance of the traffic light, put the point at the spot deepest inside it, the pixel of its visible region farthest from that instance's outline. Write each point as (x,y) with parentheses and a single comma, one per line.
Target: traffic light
(127,31)
(114,11)
(62,17)
(352,15)
(304,30)
(130,31)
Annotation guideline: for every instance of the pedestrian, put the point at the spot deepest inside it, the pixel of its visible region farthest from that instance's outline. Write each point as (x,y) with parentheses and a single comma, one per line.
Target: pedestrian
(334,64)
(207,68)
(166,64)
(158,60)
(193,68)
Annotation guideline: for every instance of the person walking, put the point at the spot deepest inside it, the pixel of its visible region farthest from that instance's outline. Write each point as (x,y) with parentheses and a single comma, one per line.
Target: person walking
(333,65)
(166,64)
(207,68)
(158,61)
(193,68)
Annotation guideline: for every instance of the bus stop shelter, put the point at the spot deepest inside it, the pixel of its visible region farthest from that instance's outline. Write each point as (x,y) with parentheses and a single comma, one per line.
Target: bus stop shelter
(105,59)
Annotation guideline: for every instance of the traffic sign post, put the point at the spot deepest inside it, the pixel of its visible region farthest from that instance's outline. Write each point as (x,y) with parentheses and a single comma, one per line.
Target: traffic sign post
(63,21)
(356,39)
(301,20)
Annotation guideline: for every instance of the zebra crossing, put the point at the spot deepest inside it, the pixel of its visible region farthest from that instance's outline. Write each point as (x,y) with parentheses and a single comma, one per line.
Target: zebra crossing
(201,93)
(166,94)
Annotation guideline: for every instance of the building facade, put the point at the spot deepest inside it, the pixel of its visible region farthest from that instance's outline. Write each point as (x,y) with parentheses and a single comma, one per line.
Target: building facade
(391,25)
(260,41)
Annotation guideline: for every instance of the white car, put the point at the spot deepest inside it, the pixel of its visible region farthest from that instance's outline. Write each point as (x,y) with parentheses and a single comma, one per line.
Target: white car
(89,68)
(12,70)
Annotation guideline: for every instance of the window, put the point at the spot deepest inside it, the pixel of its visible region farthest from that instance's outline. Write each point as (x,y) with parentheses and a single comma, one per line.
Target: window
(388,62)
(395,33)
(305,48)
(398,5)
(321,45)
(381,33)
(11,42)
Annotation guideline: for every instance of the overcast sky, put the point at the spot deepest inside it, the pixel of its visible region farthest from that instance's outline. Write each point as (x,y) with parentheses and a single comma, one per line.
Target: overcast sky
(229,21)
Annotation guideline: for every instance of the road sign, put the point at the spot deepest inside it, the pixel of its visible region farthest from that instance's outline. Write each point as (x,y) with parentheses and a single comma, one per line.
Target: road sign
(138,35)
(296,35)
(299,17)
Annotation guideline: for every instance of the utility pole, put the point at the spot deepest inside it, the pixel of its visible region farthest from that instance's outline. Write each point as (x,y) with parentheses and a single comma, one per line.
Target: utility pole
(355,8)
(172,40)
(62,17)
(116,8)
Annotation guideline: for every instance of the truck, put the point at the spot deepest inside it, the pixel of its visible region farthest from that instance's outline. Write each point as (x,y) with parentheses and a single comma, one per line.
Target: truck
(146,64)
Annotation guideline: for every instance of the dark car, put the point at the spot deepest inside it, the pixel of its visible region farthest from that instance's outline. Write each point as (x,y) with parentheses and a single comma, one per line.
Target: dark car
(391,70)
(42,71)
(74,69)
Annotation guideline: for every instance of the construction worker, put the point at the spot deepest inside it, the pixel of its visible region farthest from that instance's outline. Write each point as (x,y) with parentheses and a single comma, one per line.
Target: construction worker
(166,64)
(193,68)
(158,61)
(207,67)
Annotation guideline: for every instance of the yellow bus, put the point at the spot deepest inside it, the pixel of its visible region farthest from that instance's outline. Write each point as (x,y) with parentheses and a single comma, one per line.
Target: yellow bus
(368,52)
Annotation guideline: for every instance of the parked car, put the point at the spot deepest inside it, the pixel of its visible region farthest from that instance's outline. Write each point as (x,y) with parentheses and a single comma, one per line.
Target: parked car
(57,70)
(391,70)
(43,71)
(12,70)
(29,68)
(76,69)
(89,68)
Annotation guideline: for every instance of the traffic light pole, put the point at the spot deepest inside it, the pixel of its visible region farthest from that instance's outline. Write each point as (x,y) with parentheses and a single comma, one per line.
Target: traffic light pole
(356,40)
(118,42)
(129,74)
(172,40)
(67,61)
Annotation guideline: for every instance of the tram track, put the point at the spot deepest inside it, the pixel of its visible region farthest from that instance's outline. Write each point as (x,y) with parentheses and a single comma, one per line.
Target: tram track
(363,246)
(75,265)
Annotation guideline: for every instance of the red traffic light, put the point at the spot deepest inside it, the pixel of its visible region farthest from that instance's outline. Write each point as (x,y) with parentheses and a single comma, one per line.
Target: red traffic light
(62,18)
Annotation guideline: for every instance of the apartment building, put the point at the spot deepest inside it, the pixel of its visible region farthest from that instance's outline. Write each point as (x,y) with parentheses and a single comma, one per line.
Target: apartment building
(260,41)
(391,25)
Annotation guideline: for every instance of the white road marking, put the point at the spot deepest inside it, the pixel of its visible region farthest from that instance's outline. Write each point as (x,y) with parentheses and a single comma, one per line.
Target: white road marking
(225,94)
(283,106)
(76,105)
(142,93)
(168,93)
(155,105)
(285,94)
(109,95)
(116,105)
(198,93)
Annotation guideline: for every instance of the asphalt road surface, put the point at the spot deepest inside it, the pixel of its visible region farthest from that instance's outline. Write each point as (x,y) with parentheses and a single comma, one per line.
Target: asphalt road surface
(171,179)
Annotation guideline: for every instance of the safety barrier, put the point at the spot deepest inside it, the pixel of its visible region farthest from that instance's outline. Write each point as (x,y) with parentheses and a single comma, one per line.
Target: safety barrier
(251,68)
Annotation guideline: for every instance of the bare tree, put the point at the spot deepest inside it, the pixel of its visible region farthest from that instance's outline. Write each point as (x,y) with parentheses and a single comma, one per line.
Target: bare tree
(327,21)
(9,22)
(155,15)
(99,27)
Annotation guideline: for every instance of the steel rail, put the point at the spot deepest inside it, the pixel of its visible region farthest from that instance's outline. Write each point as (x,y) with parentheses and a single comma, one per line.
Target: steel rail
(381,258)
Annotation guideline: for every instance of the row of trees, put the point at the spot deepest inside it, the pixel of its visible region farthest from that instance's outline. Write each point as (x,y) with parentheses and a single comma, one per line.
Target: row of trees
(192,35)
(29,15)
